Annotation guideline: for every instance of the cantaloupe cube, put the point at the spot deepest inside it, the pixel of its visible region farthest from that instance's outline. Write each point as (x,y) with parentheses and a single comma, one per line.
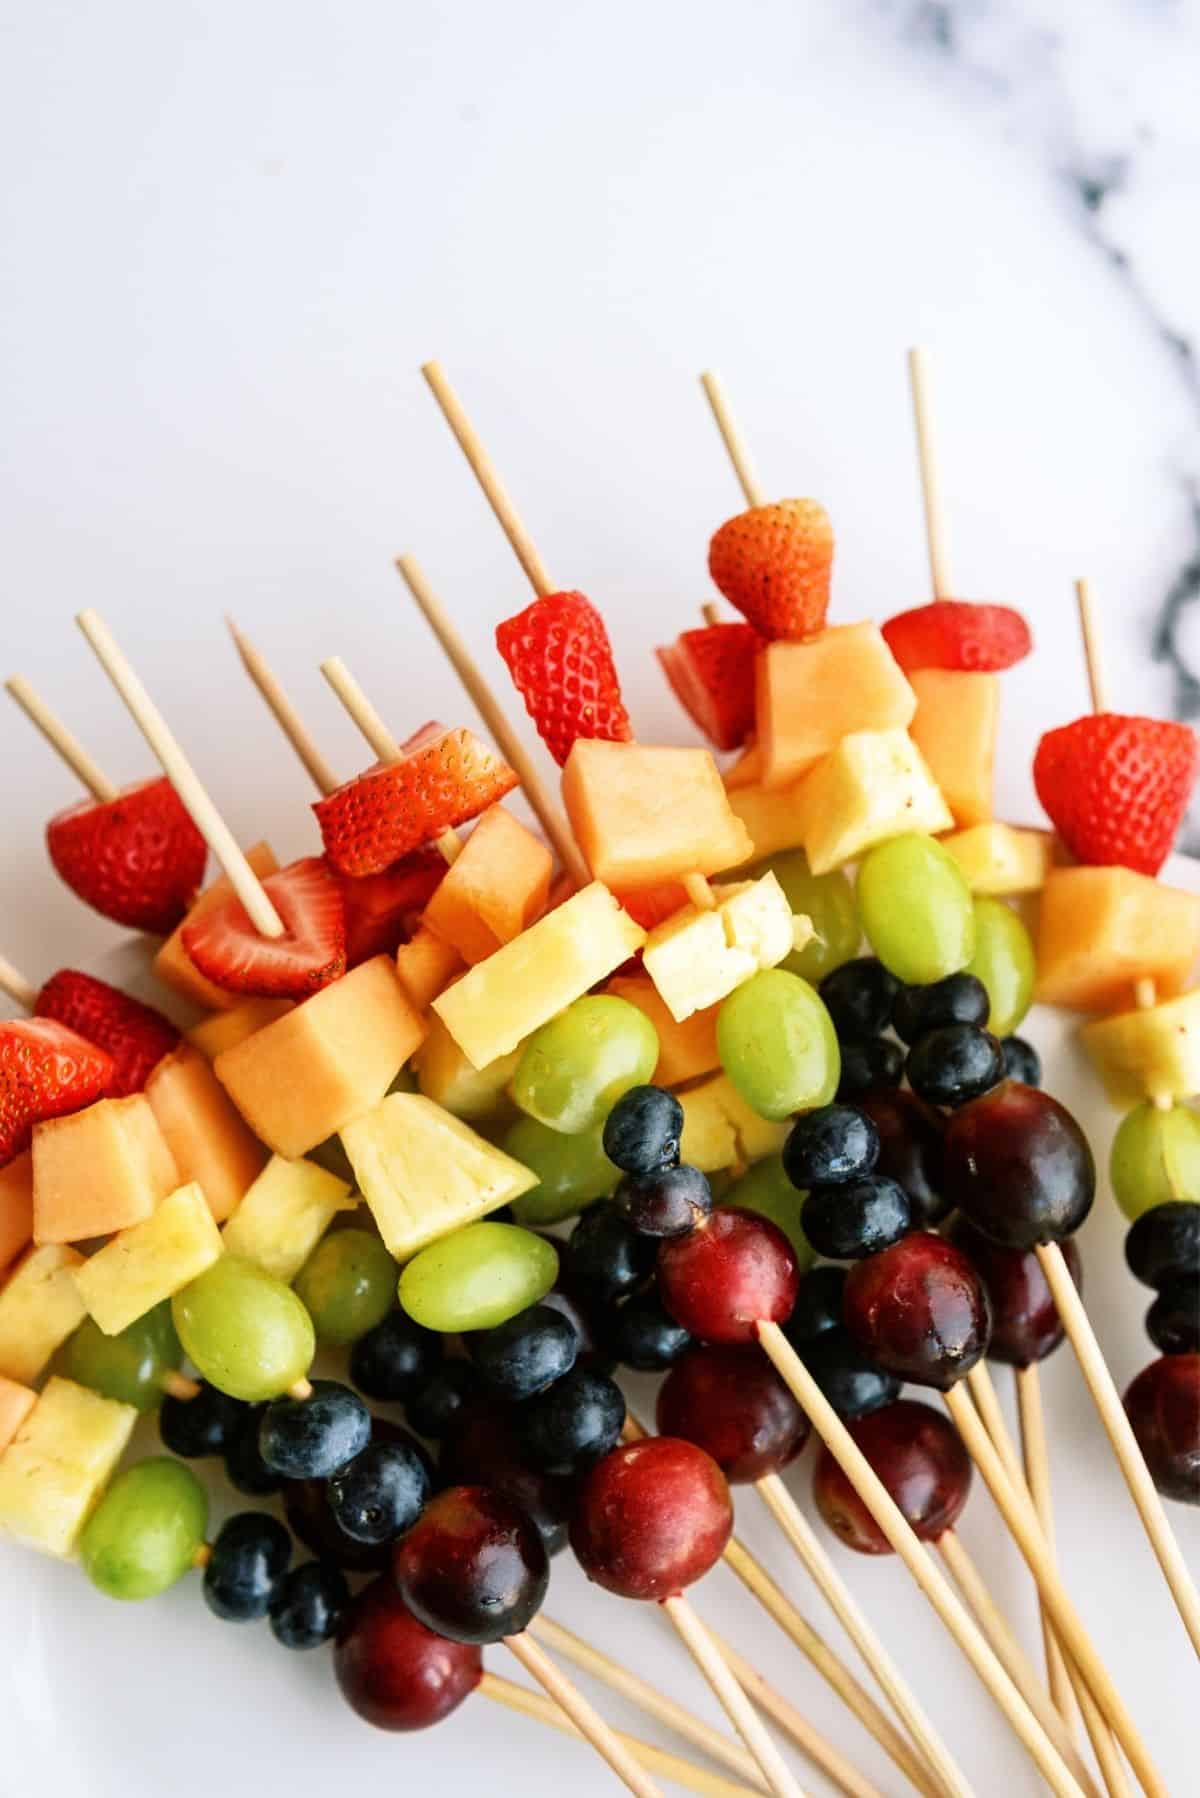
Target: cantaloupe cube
(208,1137)
(1148,1054)
(500,1001)
(446,1076)
(1001,861)
(697,958)
(1101,930)
(720,1130)
(497,887)
(424,1173)
(327,1062)
(16,1402)
(875,785)
(16,1208)
(153,1261)
(426,966)
(39,1308)
(54,1470)
(176,969)
(284,1215)
(99,1170)
(685,1050)
(774,818)
(958,713)
(746,771)
(641,815)
(225,1029)
(810,695)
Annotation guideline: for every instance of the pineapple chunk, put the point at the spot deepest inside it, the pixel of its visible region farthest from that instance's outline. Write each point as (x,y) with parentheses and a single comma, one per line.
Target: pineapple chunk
(446,1076)
(424,1173)
(719,1128)
(16,1402)
(39,1308)
(642,815)
(685,1050)
(284,1215)
(500,1001)
(207,1136)
(494,890)
(54,1470)
(225,1029)
(774,819)
(16,1207)
(698,957)
(1148,1054)
(874,785)
(99,1170)
(1000,861)
(141,1267)
(175,967)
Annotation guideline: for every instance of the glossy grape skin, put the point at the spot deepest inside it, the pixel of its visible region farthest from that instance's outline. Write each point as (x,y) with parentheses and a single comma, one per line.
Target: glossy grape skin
(482,1448)
(862,1217)
(1019,1166)
(246,1331)
(669,1201)
(766,1190)
(381,1492)
(919,1310)
(574,1069)
(347,1286)
(1004,960)
(572,1171)
(449,1389)
(473,1567)
(567,1428)
(910,1148)
(200,1426)
(1155,1158)
(643,1335)
(1164,1243)
(919,1457)
(916,909)
(869,1064)
(958,999)
(393,1671)
(1163,1407)
(584,1317)
(828,899)
(723,1280)
(395,1359)
(777,1044)
(642,1131)
(818,1306)
(731,1403)
(859,996)
(310,1438)
(309,1605)
(130,1366)
(1173,1320)
(477,1278)
(245,1468)
(954,1064)
(249,1560)
(604,1257)
(835,1143)
(311,1519)
(1026,1326)
(1022,1061)
(526,1354)
(146,1529)
(651,1518)
(853,1383)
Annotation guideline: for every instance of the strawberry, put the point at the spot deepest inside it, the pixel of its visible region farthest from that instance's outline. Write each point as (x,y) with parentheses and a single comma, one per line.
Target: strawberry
(46,1071)
(378,906)
(226,948)
(712,674)
(396,807)
(135,1035)
(773,564)
(958,633)
(1116,788)
(561,661)
(652,905)
(137,859)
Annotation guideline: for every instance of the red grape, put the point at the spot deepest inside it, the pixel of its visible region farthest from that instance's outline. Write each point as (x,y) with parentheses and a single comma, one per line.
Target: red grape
(918,1310)
(731,1403)
(1026,1326)
(395,1672)
(919,1456)
(731,1272)
(473,1567)
(1019,1166)
(651,1518)
(1163,1406)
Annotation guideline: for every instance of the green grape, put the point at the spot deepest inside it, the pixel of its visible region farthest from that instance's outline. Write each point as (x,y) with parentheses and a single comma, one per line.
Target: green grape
(144,1533)
(246,1331)
(478,1277)
(1155,1157)
(777,1044)
(574,1069)
(572,1171)
(1005,962)
(347,1286)
(916,909)
(765,1188)
(129,1367)
(828,899)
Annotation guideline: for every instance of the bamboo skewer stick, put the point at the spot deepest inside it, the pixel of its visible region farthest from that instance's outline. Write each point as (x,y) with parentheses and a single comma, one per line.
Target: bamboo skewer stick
(710,612)
(936,535)
(284,712)
(1097,686)
(180,773)
(735,443)
(61,740)
(731,1697)
(21,991)
(786,1717)
(588,1721)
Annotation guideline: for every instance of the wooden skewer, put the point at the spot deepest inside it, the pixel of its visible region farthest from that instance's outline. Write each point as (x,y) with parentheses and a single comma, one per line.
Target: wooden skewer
(21,991)
(587,1720)
(183,778)
(284,712)
(786,1717)
(735,443)
(710,612)
(936,535)
(61,740)
(1091,646)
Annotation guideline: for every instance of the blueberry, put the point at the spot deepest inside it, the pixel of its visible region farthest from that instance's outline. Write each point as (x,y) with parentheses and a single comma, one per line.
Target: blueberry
(833,1143)
(859,1218)
(643,1129)
(859,997)
(1164,1243)
(605,1256)
(526,1353)
(572,1425)
(433,1409)
(395,1359)
(1021,1061)
(308,1605)
(954,1063)
(204,1425)
(869,1061)
(641,1335)
(249,1559)
(310,1438)
(818,1305)
(1173,1320)
(669,1201)
(244,1464)
(958,999)
(853,1385)
(381,1493)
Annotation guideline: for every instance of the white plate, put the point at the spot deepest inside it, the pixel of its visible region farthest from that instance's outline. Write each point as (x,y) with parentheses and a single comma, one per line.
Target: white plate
(103,1700)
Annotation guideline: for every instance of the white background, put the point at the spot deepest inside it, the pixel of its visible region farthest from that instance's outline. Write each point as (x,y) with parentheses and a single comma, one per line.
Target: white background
(231,233)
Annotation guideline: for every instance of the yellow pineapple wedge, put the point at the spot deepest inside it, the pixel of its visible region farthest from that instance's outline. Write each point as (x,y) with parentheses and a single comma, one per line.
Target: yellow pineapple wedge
(284,1215)
(1002,861)
(16,1402)
(57,1465)
(874,785)
(424,1173)
(151,1262)
(698,957)
(720,1130)
(39,1308)
(446,1076)
(1148,1054)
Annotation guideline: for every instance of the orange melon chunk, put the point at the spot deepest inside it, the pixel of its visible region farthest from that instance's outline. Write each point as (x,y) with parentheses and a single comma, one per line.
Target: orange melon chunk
(426,966)
(809,695)
(225,1028)
(211,1144)
(176,969)
(99,1170)
(16,1207)
(774,817)
(1101,930)
(684,1050)
(643,815)
(497,887)
(955,730)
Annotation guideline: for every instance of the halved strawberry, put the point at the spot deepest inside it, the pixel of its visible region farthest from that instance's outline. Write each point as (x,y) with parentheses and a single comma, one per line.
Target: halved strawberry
(226,948)
(135,1035)
(958,633)
(773,563)
(1116,788)
(394,808)
(561,662)
(712,674)
(46,1071)
(137,859)
(380,906)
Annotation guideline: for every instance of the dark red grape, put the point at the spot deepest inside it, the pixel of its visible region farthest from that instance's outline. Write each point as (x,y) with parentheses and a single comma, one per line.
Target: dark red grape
(733,1271)
(1026,1326)
(481,1448)
(910,1148)
(392,1670)
(473,1567)
(1163,1407)
(918,1455)
(919,1310)
(651,1518)
(1019,1166)
(731,1403)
